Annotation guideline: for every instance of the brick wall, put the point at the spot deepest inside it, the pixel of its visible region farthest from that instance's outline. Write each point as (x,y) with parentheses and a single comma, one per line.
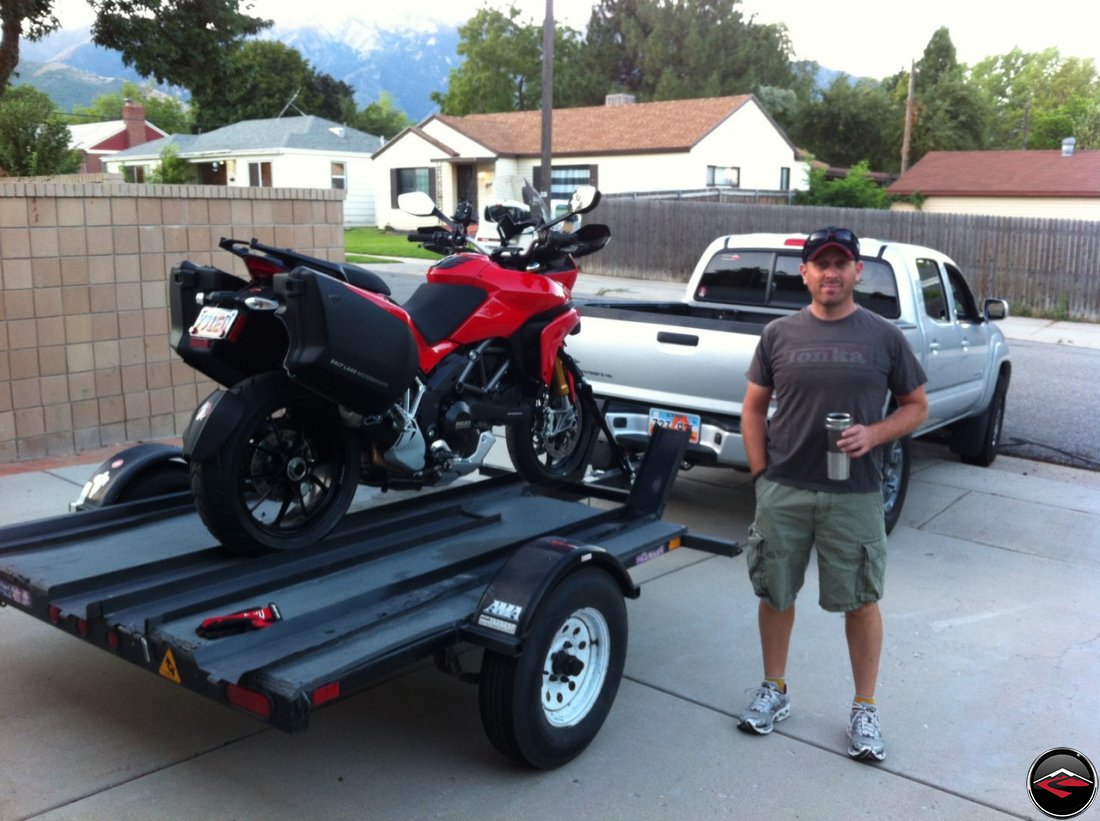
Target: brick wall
(84,267)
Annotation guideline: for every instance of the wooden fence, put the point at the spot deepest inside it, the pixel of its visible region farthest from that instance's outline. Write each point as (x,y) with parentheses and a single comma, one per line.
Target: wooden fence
(1041,266)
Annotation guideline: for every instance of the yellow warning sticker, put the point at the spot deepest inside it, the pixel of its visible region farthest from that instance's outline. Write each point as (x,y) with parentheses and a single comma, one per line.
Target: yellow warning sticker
(168,668)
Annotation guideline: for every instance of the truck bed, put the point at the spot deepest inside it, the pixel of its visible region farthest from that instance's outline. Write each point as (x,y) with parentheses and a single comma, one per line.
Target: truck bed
(392,584)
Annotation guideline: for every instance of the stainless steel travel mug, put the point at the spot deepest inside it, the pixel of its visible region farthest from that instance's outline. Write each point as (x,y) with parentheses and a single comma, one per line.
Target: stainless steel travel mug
(837,463)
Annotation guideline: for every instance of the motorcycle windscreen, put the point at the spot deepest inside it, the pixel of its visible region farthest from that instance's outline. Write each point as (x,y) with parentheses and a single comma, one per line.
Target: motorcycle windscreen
(344,346)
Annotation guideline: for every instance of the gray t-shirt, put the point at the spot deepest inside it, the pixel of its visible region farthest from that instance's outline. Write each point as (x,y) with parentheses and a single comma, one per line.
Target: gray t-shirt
(817,366)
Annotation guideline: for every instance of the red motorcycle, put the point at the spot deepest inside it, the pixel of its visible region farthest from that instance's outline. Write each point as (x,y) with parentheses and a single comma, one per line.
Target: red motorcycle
(331,383)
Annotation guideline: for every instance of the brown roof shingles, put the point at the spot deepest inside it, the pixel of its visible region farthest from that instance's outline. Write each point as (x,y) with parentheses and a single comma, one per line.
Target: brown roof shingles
(1002,174)
(674,125)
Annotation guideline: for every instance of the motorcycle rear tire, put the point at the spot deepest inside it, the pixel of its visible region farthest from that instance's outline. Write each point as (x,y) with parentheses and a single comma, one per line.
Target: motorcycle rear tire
(547,453)
(285,476)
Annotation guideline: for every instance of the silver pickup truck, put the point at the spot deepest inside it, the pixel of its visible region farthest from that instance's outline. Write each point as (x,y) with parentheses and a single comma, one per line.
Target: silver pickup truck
(683,363)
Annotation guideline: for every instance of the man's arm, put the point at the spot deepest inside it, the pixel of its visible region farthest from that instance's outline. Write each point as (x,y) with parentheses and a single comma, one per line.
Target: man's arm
(911,411)
(754,425)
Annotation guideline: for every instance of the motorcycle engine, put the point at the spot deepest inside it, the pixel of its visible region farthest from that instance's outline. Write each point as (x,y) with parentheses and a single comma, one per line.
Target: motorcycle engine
(459,430)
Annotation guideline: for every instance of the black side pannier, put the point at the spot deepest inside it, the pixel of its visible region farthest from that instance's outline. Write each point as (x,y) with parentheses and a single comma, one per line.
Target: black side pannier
(344,346)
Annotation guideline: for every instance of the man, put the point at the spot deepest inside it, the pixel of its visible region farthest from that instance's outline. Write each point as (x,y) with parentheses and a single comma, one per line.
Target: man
(832,356)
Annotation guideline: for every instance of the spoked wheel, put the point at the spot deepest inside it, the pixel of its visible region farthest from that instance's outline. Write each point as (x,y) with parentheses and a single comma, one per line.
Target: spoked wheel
(545,707)
(895,480)
(555,441)
(286,475)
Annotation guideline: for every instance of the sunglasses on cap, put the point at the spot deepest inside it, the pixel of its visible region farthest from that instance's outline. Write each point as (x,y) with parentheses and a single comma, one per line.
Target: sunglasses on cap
(823,237)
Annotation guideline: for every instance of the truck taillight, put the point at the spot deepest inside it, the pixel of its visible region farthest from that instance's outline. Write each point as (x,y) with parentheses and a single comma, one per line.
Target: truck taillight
(249,700)
(325,693)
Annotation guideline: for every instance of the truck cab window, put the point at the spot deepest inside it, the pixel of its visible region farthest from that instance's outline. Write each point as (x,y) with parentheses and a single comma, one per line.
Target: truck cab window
(740,277)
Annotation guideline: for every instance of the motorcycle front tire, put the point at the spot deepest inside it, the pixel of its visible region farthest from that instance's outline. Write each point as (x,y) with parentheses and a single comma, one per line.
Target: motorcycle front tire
(285,476)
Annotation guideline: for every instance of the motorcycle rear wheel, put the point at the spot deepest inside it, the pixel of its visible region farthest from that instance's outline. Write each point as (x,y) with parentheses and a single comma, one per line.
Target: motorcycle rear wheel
(555,441)
(286,475)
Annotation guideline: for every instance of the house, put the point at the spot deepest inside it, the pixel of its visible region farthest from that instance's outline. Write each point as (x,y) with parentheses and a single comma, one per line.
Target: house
(620,147)
(97,141)
(1051,184)
(283,152)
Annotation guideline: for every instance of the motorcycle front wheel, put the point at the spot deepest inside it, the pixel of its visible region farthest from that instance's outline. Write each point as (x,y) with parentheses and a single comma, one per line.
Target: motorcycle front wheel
(555,441)
(286,475)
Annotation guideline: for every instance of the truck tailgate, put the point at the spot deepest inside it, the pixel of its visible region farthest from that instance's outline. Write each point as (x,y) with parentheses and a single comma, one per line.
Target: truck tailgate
(665,354)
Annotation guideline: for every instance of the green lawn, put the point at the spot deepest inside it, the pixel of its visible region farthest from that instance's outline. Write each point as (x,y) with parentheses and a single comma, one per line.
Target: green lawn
(373,245)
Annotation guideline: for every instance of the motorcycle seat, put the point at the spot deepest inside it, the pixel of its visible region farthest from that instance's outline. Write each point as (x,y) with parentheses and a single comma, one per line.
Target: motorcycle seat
(364,279)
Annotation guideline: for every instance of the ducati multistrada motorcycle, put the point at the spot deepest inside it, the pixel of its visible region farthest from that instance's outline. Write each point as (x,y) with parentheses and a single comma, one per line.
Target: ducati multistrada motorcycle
(330,383)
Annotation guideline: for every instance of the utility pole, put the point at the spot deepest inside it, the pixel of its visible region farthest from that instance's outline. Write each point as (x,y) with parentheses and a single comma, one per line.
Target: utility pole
(908,120)
(547,101)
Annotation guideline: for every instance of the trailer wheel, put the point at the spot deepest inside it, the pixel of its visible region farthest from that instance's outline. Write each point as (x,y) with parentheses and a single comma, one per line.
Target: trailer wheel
(545,706)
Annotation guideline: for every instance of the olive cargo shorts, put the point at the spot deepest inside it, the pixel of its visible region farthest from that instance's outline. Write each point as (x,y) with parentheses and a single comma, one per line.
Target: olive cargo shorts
(848,530)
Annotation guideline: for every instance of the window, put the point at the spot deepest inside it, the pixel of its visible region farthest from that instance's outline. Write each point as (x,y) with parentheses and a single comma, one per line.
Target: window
(932,289)
(723,175)
(404,180)
(564,179)
(339,173)
(259,174)
(784,179)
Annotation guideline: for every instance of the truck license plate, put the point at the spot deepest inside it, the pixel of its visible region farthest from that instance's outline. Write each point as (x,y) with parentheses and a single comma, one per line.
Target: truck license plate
(675,420)
(213,322)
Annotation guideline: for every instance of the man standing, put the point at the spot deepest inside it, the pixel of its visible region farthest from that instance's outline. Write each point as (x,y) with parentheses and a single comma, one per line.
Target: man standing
(832,356)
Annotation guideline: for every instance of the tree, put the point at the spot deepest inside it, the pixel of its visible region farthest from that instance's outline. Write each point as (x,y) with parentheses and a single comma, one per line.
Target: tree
(33,17)
(186,43)
(163,111)
(33,139)
(173,170)
(856,190)
(1039,99)
(382,118)
(268,77)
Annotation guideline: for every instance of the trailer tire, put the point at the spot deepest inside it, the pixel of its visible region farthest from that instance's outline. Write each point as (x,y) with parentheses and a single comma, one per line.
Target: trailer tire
(543,707)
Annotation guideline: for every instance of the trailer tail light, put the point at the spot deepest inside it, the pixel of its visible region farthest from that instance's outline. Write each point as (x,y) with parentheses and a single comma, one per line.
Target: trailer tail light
(55,614)
(249,700)
(113,640)
(326,693)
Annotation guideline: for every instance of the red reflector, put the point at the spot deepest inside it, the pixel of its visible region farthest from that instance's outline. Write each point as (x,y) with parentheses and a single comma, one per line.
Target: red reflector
(55,614)
(82,627)
(113,640)
(799,241)
(326,693)
(198,342)
(249,700)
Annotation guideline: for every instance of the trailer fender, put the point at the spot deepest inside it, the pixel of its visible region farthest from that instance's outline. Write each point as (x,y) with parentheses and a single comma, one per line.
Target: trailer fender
(211,424)
(505,615)
(117,475)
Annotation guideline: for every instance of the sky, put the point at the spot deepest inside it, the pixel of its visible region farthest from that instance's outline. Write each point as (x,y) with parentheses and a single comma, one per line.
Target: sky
(864,38)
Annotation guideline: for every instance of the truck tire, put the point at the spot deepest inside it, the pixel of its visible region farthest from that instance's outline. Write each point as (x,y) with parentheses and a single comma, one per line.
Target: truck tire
(895,479)
(545,706)
(286,475)
(977,439)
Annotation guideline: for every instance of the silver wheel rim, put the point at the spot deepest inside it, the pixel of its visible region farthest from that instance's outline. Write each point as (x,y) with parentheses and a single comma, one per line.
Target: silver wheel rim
(575,667)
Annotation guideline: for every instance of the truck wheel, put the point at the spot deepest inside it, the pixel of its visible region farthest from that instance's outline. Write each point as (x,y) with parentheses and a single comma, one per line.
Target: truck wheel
(555,441)
(977,440)
(543,708)
(895,480)
(286,475)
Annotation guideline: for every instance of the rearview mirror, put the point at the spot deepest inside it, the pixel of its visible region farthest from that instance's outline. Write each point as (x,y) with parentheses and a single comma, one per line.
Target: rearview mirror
(416,203)
(584,199)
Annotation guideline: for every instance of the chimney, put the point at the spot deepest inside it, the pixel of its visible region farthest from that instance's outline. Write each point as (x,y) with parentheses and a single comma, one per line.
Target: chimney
(620,99)
(1068,145)
(133,115)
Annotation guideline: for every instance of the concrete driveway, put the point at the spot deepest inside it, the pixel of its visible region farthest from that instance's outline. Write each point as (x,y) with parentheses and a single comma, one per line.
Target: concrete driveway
(992,657)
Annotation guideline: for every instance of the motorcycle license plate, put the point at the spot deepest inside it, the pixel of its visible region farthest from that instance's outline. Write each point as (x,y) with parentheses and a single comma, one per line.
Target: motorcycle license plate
(676,421)
(213,322)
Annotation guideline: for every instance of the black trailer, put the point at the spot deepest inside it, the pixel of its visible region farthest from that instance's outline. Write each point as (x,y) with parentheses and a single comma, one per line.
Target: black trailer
(534,576)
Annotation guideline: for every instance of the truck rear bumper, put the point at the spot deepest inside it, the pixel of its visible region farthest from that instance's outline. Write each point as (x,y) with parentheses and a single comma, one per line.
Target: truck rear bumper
(719,441)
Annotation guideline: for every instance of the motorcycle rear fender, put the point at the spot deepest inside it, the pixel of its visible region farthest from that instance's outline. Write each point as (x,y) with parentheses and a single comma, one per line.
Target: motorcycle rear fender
(211,424)
(552,338)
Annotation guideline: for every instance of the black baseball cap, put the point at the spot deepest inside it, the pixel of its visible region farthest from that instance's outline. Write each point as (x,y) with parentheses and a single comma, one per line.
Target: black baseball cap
(831,237)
